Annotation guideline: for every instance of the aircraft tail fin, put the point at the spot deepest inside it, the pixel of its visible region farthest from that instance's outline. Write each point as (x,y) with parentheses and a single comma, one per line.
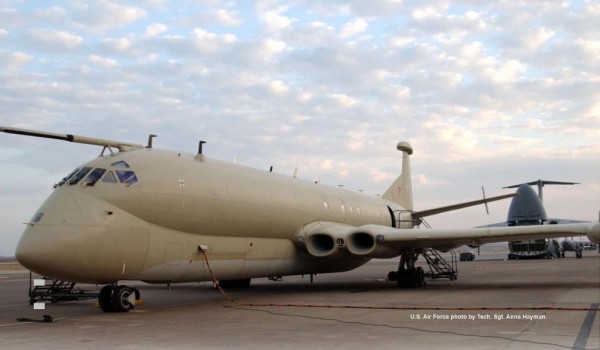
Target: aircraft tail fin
(400,191)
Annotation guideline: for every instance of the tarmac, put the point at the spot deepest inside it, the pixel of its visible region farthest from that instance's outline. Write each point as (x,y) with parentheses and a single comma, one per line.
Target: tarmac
(494,304)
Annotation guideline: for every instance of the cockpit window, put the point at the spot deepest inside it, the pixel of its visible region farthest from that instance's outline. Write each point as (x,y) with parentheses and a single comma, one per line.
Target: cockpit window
(66,178)
(79,175)
(94,176)
(120,164)
(91,177)
(110,178)
(127,177)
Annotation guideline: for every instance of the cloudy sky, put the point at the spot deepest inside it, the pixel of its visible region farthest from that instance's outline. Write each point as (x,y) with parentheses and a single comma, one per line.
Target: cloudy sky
(489,93)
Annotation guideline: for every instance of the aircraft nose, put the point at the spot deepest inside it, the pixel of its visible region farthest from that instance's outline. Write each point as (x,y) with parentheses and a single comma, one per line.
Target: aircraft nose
(31,253)
(39,247)
(78,237)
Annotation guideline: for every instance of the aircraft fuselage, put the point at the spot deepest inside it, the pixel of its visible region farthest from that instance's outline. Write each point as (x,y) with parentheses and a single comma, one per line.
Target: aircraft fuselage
(148,213)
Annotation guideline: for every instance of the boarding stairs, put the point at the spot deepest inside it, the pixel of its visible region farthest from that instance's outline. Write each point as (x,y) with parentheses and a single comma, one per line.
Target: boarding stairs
(438,266)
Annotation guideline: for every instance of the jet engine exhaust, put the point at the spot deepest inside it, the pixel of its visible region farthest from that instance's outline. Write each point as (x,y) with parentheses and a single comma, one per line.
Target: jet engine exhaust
(366,244)
(327,240)
(361,243)
(321,245)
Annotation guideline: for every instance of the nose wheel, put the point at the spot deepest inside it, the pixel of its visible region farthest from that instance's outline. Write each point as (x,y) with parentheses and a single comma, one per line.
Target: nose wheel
(114,298)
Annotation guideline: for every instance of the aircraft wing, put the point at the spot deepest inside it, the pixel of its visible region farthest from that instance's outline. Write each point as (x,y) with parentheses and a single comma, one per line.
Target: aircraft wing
(550,222)
(121,146)
(377,241)
(498,224)
(564,221)
(428,212)
(543,182)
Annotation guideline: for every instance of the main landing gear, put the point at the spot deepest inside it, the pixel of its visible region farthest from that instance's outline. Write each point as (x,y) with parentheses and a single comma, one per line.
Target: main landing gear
(408,276)
(115,298)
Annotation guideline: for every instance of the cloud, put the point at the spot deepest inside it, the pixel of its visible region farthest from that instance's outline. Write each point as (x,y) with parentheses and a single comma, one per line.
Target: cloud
(116,46)
(16,59)
(428,11)
(105,15)
(205,41)
(353,28)
(344,100)
(229,18)
(155,29)
(505,72)
(274,21)
(103,62)
(53,40)
(272,47)
(278,87)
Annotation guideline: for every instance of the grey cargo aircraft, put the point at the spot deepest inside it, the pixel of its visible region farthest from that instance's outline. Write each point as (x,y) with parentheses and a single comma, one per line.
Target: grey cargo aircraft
(140,213)
(527,209)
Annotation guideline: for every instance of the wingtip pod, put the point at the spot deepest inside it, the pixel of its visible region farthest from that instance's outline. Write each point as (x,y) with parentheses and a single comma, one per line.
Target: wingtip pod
(594,233)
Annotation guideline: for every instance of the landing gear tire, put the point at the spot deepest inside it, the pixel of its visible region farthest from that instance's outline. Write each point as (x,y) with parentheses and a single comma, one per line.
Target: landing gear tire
(404,279)
(420,276)
(392,276)
(123,299)
(117,298)
(105,299)
(411,278)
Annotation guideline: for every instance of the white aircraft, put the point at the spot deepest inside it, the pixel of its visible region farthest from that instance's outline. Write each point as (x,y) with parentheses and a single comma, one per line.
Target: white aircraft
(139,213)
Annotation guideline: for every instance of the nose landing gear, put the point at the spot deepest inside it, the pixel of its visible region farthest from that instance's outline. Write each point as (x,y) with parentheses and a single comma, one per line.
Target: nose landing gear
(114,298)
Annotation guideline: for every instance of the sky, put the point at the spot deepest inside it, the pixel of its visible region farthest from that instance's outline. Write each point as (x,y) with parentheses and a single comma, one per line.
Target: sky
(489,93)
